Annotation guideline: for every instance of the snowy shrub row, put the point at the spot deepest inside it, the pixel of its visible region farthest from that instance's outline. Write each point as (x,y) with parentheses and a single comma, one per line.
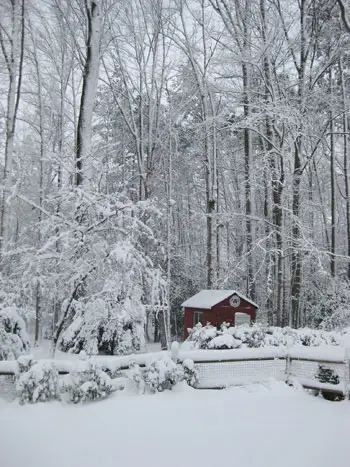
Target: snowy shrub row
(163,374)
(40,382)
(209,337)
(13,337)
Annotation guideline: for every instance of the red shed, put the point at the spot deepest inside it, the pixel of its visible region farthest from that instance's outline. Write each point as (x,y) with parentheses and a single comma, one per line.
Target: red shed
(217,306)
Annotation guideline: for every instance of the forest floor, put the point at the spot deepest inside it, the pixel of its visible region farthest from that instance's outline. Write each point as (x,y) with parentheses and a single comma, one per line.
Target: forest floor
(268,425)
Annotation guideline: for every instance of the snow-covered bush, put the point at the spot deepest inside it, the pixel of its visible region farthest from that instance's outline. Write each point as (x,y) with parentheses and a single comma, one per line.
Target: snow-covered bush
(209,337)
(190,372)
(201,336)
(256,338)
(106,327)
(224,341)
(328,375)
(136,376)
(24,363)
(36,381)
(111,321)
(327,301)
(13,337)
(87,382)
(157,376)
(314,338)
(162,374)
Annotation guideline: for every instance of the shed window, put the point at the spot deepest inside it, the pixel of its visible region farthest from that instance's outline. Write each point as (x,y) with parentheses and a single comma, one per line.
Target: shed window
(242,319)
(197,317)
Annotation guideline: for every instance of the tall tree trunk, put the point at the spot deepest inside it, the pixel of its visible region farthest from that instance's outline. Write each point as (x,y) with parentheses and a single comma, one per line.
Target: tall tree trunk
(41,185)
(296,255)
(297,175)
(270,265)
(345,162)
(14,63)
(90,79)
(323,211)
(277,176)
(207,109)
(169,249)
(218,226)
(247,156)
(163,324)
(215,187)
(332,163)
(210,202)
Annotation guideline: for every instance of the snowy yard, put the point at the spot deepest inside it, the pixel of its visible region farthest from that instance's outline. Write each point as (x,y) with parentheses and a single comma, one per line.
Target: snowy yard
(266,426)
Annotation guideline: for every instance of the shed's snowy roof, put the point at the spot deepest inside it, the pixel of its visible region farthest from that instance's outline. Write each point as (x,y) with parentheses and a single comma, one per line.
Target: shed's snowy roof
(206,299)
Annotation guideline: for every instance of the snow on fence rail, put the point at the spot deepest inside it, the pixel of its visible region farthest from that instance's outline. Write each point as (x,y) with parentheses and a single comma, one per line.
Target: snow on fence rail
(218,368)
(222,368)
(111,364)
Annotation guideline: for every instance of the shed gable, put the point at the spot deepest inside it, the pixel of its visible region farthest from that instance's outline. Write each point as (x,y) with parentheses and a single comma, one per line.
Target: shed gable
(208,299)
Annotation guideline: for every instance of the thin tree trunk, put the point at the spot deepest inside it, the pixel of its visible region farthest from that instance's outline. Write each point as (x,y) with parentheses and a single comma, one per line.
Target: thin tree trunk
(41,194)
(169,247)
(199,72)
(247,154)
(218,230)
(332,161)
(162,322)
(215,189)
(210,202)
(345,163)
(68,306)
(297,175)
(90,79)
(277,179)
(14,64)
(296,256)
(324,217)
(248,209)
(270,270)
(156,328)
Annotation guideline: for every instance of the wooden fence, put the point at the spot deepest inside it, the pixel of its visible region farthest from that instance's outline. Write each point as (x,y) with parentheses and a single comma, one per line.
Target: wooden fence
(239,372)
(222,368)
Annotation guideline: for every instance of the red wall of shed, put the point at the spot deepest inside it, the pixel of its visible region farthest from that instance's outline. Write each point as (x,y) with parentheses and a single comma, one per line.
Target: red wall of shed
(218,314)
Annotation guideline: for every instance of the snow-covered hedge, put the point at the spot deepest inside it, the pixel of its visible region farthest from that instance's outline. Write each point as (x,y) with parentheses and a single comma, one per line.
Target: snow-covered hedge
(40,381)
(87,382)
(36,381)
(13,337)
(209,337)
(162,374)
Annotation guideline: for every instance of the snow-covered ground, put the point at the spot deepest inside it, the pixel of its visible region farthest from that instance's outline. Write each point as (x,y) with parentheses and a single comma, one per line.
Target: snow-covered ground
(43,351)
(265,426)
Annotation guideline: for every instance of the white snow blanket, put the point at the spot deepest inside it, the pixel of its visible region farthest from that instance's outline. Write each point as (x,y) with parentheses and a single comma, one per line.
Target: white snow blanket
(259,426)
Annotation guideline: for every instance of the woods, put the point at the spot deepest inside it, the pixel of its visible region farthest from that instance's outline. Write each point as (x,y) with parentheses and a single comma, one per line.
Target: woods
(153,148)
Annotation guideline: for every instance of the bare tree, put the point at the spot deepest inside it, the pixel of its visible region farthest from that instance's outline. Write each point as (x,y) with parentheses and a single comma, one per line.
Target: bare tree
(12,47)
